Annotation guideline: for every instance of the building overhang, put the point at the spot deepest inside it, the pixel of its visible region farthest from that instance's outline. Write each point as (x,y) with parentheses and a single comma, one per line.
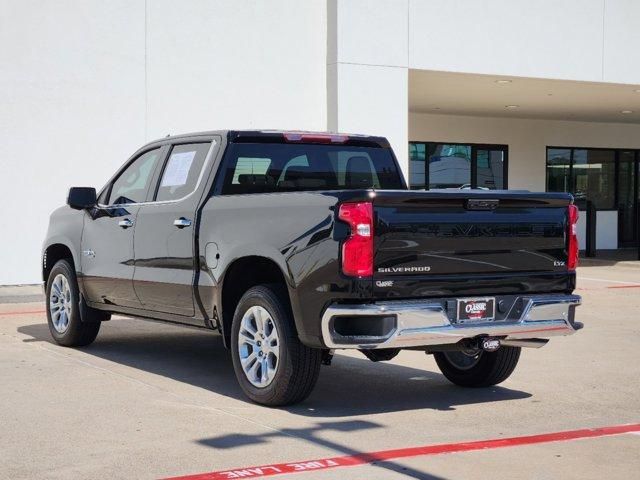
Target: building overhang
(516,97)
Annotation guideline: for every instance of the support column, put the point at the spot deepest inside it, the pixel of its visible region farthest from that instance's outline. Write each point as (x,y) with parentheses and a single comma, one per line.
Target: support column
(367,88)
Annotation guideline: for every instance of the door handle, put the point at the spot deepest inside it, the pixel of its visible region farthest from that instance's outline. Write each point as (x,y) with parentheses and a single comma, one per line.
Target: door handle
(182,222)
(126,223)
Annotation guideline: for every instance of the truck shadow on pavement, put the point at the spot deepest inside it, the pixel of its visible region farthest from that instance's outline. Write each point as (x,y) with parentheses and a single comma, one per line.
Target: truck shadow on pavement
(350,386)
(314,434)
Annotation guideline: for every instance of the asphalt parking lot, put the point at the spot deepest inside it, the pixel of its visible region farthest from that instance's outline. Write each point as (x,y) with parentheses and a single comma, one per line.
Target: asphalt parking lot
(149,400)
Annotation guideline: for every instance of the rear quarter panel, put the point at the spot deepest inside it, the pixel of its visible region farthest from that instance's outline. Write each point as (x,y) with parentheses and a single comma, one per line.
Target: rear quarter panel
(297,231)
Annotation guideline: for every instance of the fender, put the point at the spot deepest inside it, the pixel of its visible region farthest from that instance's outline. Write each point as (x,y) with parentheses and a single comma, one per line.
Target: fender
(218,262)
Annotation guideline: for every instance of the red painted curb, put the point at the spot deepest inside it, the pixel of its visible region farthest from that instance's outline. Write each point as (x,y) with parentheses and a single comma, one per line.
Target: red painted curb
(367,458)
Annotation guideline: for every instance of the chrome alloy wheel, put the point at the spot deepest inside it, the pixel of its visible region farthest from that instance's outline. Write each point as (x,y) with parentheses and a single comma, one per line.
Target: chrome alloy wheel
(464,359)
(258,346)
(60,303)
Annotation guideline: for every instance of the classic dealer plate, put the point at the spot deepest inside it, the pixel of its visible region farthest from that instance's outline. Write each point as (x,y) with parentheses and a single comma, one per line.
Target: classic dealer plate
(476,310)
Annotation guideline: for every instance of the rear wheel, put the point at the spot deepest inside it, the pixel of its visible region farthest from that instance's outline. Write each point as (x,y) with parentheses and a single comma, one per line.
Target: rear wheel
(271,364)
(478,368)
(63,308)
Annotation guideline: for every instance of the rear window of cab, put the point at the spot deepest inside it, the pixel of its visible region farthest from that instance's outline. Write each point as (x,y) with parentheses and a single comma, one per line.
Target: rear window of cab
(272,167)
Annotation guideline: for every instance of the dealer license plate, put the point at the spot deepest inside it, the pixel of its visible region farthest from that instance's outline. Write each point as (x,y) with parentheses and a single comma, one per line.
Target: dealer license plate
(474,310)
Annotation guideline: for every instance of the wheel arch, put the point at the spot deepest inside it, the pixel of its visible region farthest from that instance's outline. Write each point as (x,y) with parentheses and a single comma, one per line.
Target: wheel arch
(242,274)
(52,254)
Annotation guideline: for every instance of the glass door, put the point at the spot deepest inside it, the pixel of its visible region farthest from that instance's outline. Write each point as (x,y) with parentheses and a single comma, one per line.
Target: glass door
(490,162)
(627,198)
(449,165)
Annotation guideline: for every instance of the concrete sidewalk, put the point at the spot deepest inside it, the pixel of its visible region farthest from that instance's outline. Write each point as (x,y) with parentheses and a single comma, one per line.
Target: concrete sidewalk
(622,257)
(21,293)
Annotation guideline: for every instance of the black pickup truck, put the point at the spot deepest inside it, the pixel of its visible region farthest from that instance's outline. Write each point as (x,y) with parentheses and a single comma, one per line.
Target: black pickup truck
(294,244)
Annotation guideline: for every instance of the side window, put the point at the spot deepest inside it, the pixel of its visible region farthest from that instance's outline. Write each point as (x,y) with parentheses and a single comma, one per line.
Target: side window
(132,184)
(355,169)
(182,171)
(299,163)
(249,167)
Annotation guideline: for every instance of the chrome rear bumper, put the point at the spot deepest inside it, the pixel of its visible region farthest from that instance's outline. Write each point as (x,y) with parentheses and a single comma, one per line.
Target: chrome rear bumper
(427,322)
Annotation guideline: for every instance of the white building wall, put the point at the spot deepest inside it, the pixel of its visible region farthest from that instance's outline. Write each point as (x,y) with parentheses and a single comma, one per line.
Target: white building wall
(71,109)
(621,41)
(236,64)
(372,100)
(84,84)
(367,70)
(591,40)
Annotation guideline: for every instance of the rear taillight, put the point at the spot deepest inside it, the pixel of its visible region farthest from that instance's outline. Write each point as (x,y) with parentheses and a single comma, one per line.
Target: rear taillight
(572,235)
(357,250)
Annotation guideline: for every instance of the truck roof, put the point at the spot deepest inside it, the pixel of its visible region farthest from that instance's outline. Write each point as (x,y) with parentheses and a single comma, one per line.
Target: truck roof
(286,136)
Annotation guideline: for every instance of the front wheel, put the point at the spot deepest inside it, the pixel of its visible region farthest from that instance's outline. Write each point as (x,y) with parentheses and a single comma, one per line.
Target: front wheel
(63,309)
(271,364)
(477,368)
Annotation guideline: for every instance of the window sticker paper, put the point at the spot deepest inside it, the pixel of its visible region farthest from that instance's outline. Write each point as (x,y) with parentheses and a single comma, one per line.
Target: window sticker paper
(177,169)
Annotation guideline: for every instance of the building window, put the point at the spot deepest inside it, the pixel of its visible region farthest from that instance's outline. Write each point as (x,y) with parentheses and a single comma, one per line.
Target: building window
(456,165)
(558,169)
(417,157)
(587,173)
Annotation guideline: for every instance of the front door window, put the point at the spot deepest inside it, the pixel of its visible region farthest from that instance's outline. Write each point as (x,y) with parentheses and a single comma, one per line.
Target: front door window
(132,184)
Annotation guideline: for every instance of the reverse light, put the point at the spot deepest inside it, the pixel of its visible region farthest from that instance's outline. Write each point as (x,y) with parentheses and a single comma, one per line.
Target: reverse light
(572,235)
(357,250)
(315,137)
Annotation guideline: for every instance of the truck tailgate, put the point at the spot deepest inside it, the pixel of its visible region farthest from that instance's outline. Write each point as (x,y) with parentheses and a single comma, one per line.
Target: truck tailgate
(443,242)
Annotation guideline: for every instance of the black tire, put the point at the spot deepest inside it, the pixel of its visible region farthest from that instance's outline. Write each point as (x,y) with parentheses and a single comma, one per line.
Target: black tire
(490,368)
(78,333)
(298,366)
